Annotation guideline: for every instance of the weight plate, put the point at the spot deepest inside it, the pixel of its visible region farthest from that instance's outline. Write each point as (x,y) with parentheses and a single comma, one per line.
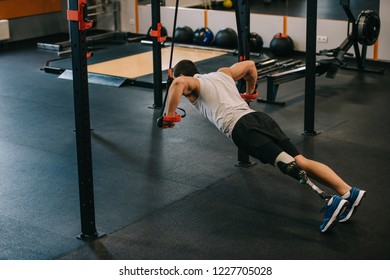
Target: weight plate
(368,27)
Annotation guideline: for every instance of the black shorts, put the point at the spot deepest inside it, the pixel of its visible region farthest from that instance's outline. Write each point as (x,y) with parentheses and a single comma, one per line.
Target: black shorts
(255,131)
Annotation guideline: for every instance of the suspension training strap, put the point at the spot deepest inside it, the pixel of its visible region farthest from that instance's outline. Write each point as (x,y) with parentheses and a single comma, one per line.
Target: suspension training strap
(177,117)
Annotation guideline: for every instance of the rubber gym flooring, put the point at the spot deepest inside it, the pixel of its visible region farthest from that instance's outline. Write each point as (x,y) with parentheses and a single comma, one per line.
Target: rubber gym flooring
(177,194)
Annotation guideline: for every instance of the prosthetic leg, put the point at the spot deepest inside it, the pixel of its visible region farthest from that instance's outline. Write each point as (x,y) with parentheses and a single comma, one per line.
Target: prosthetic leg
(293,170)
(334,205)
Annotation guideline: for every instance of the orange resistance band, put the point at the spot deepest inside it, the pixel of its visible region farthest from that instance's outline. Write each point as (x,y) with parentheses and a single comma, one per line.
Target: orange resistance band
(136,17)
(376,50)
(206,18)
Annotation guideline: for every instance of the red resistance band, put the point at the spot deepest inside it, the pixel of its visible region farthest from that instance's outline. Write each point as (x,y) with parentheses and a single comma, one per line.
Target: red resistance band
(249,97)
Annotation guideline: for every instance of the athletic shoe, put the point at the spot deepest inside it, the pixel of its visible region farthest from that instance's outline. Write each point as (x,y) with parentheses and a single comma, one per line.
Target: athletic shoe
(332,210)
(355,198)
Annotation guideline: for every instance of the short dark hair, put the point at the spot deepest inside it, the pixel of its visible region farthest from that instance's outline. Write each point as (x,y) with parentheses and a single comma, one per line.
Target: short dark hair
(185,67)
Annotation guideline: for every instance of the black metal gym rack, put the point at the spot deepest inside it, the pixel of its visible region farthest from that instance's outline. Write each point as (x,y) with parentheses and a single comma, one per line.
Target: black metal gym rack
(94,36)
(242,18)
(310,78)
(79,23)
(242,12)
(157,39)
(309,72)
(365,31)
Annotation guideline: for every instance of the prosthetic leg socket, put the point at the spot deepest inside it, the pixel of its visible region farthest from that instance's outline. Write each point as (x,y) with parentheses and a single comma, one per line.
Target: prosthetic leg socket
(293,170)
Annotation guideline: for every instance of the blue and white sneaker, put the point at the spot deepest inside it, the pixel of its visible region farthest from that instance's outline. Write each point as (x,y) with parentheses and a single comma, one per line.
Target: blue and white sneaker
(355,198)
(332,211)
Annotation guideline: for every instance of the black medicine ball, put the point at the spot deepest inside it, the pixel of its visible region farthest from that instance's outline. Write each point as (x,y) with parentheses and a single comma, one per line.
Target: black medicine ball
(184,35)
(203,36)
(282,45)
(255,42)
(226,38)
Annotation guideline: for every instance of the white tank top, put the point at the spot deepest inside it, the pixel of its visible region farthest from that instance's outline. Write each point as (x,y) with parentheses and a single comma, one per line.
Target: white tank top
(220,102)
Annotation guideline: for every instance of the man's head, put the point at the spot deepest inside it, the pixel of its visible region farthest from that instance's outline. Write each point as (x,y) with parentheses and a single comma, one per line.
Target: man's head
(186,68)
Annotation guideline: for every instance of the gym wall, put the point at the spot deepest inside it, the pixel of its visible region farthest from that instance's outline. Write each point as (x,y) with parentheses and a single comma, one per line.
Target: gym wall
(267,26)
(129,15)
(33,23)
(19,8)
(185,3)
(384,38)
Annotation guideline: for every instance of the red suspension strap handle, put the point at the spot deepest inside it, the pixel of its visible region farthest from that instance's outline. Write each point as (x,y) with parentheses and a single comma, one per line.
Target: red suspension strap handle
(176,118)
(249,97)
(172,119)
(168,121)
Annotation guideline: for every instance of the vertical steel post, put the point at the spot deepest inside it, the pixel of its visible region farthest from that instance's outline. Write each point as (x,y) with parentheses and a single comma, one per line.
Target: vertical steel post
(243,30)
(310,80)
(77,16)
(157,65)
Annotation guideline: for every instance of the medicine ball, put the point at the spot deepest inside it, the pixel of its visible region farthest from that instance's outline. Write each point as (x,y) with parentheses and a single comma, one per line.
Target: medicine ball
(255,42)
(227,4)
(164,32)
(226,38)
(203,36)
(282,45)
(184,35)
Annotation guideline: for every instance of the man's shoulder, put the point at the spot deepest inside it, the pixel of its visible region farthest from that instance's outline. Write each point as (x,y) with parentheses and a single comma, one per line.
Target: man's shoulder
(225,70)
(219,73)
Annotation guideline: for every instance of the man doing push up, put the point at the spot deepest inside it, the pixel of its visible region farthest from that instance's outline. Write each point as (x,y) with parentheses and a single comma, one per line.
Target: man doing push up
(216,97)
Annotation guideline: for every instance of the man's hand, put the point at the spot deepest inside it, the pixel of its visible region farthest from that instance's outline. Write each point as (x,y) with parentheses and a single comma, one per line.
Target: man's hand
(249,97)
(166,124)
(168,121)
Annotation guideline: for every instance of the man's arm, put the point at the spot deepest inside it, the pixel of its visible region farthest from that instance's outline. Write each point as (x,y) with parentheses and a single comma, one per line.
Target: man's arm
(187,86)
(243,70)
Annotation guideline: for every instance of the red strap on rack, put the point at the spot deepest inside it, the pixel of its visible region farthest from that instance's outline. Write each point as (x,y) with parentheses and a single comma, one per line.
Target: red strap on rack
(170,73)
(242,57)
(80,15)
(157,33)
